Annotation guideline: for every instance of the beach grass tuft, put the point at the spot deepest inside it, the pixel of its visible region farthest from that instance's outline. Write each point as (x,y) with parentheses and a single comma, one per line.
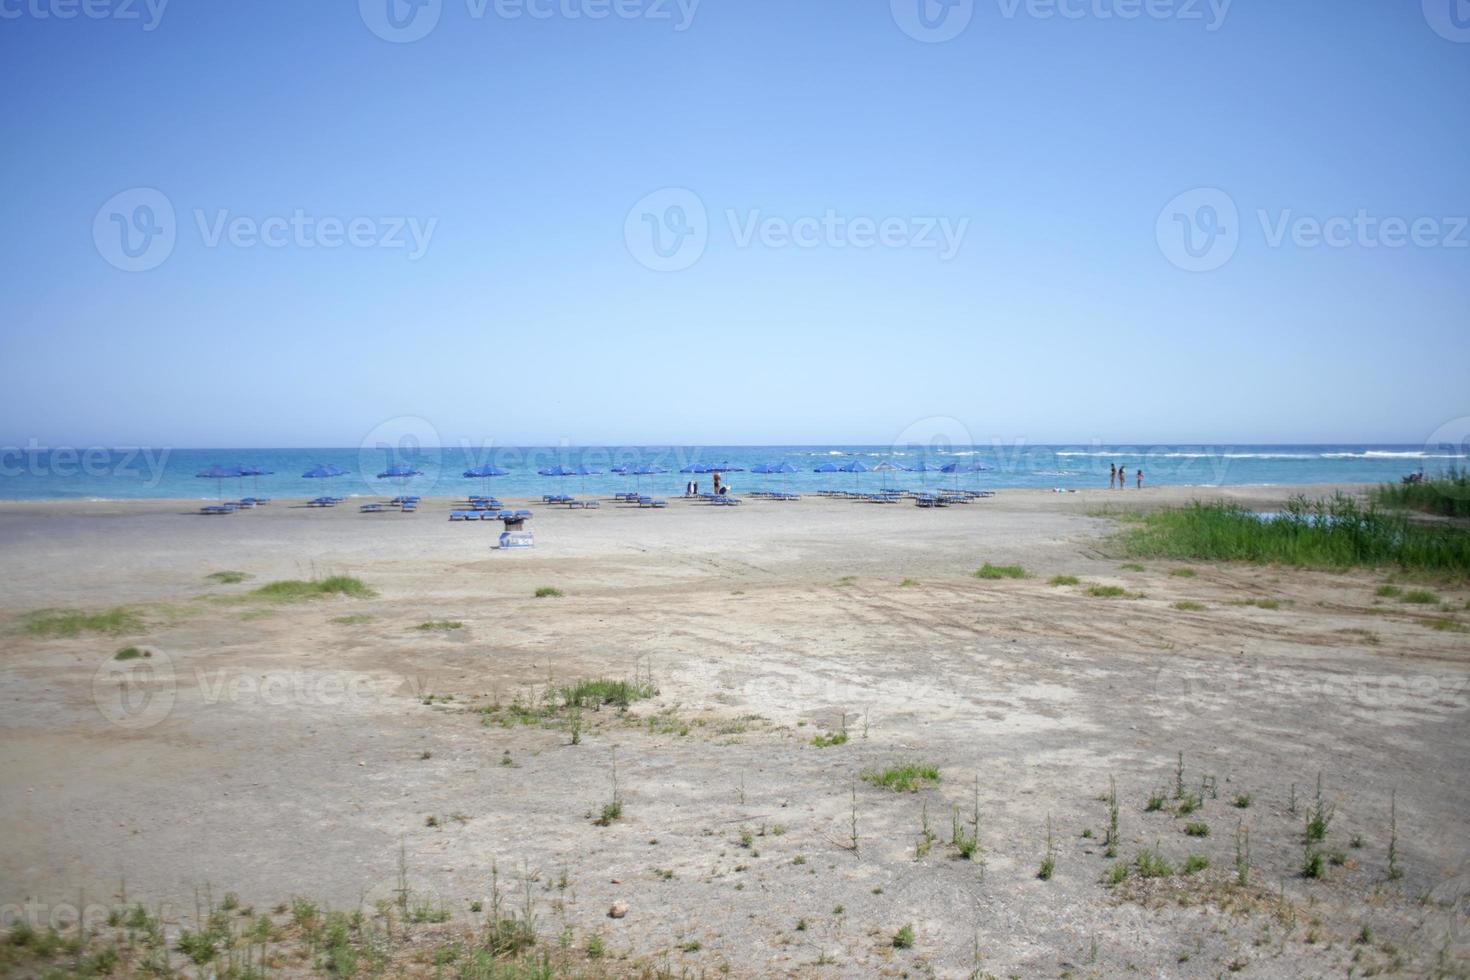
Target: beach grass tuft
(549,592)
(596,692)
(990,571)
(75,622)
(908,777)
(130,653)
(1106,591)
(440,625)
(227,578)
(1189,605)
(296,590)
(1063,580)
(1446,494)
(1335,533)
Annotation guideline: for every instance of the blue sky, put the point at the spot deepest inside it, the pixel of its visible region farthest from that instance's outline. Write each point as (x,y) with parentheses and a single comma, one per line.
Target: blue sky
(1051,147)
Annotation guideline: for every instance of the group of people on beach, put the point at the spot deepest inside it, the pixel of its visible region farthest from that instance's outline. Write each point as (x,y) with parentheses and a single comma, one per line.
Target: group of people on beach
(691,488)
(1118,476)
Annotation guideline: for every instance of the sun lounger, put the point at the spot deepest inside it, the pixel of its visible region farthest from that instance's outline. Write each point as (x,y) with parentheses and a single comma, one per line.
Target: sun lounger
(215,509)
(370,509)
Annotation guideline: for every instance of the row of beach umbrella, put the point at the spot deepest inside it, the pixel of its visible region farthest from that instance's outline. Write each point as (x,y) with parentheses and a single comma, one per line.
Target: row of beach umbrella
(402,472)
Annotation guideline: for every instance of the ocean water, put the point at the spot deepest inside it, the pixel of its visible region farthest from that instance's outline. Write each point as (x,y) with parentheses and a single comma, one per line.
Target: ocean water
(171,473)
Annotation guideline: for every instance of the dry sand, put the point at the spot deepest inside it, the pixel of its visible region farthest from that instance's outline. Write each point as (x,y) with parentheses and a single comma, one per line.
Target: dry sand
(289,749)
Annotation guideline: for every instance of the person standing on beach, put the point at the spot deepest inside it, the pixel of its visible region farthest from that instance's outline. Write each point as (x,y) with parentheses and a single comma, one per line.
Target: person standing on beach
(1140,479)
(1122,478)
(717,483)
(1112,475)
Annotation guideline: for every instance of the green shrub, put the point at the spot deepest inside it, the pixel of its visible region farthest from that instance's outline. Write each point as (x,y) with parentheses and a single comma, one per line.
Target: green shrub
(988,570)
(1106,591)
(907,777)
(549,592)
(227,578)
(1062,580)
(294,590)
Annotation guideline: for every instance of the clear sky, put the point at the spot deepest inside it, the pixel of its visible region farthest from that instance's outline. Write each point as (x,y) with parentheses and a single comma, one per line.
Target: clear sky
(1049,138)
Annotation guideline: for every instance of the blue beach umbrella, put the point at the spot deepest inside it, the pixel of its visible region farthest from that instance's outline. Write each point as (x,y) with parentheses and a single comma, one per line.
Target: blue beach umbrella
(400,471)
(856,466)
(888,466)
(557,471)
(255,473)
(326,472)
(643,471)
(958,468)
(220,474)
(584,472)
(482,473)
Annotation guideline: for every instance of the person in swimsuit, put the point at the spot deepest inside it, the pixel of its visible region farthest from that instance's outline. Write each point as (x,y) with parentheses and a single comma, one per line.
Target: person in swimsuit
(1140,479)
(1112,475)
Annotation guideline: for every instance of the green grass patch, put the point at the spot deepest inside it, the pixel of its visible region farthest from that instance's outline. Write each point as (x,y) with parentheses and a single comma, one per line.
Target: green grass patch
(549,592)
(75,622)
(1106,591)
(829,739)
(1152,864)
(440,625)
(909,583)
(296,590)
(597,692)
(1189,605)
(1419,597)
(908,777)
(1194,863)
(1388,591)
(227,578)
(131,653)
(1063,580)
(1132,567)
(1197,829)
(1182,572)
(1257,603)
(990,571)
(1446,494)
(356,619)
(904,937)
(1333,533)
(1446,625)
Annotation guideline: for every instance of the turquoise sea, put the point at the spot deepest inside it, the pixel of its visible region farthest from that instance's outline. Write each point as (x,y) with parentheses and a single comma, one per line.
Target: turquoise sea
(103,474)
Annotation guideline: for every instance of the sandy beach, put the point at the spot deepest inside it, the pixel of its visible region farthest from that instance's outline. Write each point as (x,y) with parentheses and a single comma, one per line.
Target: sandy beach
(299,748)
